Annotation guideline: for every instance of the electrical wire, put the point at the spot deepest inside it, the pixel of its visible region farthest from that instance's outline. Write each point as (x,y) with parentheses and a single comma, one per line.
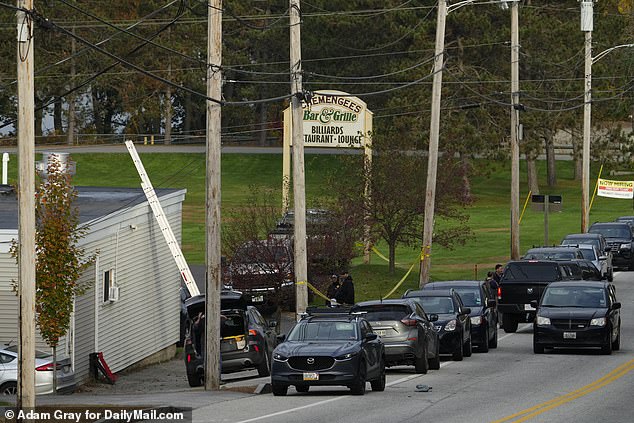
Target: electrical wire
(359,78)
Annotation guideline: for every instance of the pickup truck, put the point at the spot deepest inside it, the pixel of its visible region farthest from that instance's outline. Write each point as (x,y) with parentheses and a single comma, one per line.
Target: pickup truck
(522,282)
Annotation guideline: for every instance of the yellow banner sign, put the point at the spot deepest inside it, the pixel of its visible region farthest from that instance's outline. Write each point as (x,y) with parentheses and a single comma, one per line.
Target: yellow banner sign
(616,189)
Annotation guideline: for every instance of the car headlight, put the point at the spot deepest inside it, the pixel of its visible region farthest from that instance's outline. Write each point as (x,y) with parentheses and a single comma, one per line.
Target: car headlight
(625,246)
(476,320)
(543,321)
(279,357)
(346,356)
(600,321)
(450,326)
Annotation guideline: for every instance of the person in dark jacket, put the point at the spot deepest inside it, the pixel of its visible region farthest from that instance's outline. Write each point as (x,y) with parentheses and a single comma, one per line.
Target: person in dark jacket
(345,294)
(334,286)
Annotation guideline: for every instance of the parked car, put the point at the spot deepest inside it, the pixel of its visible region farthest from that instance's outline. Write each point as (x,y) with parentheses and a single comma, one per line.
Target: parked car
(581,270)
(597,240)
(562,252)
(578,314)
(43,372)
(453,324)
(329,347)
(522,282)
(600,262)
(407,333)
(247,339)
(478,297)
(627,219)
(620,237)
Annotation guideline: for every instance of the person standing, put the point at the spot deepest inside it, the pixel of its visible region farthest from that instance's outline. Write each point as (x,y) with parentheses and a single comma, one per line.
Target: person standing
(333,288)
(497,275)
(345,294)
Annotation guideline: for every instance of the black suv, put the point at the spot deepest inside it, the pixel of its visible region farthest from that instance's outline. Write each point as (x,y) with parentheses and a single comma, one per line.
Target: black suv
(247,340)
(407,333)
(561,252)
(522,282)
(619,236)
(453,324)
(478,297)
(329,347)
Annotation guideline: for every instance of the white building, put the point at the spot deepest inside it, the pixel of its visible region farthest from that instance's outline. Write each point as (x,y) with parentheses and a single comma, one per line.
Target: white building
(140,316)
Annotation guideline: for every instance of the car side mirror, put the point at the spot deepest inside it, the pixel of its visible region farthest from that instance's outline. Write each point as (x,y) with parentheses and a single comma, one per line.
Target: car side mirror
(533,303)
(466,310)
(616,306)
(281,338)
(603,257)
(433,317)
(370,336)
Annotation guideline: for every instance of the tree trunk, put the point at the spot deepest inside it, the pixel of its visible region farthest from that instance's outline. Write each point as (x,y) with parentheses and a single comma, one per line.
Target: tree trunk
(263,120)
(392,256)
(465,167)
(577,148)
(187,125)
(168,116)
(70,133)
(531,170)
(38,119)
(550,159)
(54,370)
(57,116)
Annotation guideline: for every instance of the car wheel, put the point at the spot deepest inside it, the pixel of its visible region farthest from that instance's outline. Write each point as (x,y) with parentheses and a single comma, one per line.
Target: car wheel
(302,388)
(421,365)
(458,354)
(264,368)
(616,345)
(194,380)
(434,363)
(358,387)
(379,383)
(537,348)
(9,388)
(278,389)
(611,275)
(509,323)
(484,346)
(493,343)
(468,347)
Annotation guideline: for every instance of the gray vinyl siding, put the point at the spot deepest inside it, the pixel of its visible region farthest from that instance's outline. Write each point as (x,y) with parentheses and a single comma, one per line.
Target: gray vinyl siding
(85,327)
(8,300)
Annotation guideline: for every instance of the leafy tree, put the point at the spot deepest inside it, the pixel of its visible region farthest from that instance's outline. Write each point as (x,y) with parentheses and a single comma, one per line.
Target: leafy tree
(59,261)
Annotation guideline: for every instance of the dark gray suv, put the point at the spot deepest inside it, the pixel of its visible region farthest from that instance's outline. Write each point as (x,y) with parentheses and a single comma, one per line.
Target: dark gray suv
(620,237)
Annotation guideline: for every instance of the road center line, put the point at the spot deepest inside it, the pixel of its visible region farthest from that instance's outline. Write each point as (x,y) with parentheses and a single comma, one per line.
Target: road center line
(529,413)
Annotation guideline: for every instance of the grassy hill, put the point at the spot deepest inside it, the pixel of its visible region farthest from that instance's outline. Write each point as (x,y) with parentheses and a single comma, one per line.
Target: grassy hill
(489,215)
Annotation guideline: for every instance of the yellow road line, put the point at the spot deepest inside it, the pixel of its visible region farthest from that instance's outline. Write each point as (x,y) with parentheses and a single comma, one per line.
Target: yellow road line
(529,413)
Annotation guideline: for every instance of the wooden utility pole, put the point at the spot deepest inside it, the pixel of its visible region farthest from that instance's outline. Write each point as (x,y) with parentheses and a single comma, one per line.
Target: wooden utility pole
(434,129)
(26,208)
(299,189)
(212,215)
(515,130)
(587,7)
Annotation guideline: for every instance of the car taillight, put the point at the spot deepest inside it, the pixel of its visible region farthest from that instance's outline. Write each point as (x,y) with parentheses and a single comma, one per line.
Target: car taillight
(45,368)
(257,349)
(499,292)
(409,322)
(252,332)
(189,358)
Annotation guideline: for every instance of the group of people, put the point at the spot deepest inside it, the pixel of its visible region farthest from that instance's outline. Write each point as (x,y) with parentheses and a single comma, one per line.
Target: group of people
(341,290)
(494,277)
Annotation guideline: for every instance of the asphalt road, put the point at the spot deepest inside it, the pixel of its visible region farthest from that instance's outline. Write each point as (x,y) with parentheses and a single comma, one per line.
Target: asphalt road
(508,384)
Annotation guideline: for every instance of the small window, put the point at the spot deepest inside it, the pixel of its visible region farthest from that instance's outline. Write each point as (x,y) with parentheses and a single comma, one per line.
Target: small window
(107,284)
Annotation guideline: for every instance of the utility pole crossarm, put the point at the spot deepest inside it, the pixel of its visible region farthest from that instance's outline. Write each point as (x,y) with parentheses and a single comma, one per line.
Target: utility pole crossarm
(166,229)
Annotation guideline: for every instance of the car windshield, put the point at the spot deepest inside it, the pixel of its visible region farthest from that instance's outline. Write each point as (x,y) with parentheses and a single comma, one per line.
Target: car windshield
(574,296)
(612,231)
(550,255)
(261,253)
(437,305)
(588,254)
(470,296)
(379,312)
(324,331)
(531,271)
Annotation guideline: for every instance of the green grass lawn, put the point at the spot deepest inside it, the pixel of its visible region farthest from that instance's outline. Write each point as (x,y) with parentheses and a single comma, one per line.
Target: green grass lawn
(489,215)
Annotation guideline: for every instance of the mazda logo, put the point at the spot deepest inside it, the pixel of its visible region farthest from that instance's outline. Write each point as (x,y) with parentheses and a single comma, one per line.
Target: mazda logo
(310,360)
(529,290)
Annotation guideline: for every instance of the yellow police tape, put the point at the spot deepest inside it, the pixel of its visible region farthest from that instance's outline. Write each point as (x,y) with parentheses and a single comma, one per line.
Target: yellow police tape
(422,257)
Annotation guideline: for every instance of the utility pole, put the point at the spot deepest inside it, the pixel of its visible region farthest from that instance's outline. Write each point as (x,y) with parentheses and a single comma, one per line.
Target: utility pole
(71,98)
(587,24)
(26,207)
(432,160)
(212,215)
(299,189)
(515,129)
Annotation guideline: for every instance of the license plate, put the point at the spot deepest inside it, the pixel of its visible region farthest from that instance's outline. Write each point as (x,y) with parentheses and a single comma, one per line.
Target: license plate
(257,298)
(311,376)
(570,335)
(529,307)
(380,332)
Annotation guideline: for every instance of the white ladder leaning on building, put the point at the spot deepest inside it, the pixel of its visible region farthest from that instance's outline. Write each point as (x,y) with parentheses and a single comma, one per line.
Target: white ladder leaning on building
(148,189)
